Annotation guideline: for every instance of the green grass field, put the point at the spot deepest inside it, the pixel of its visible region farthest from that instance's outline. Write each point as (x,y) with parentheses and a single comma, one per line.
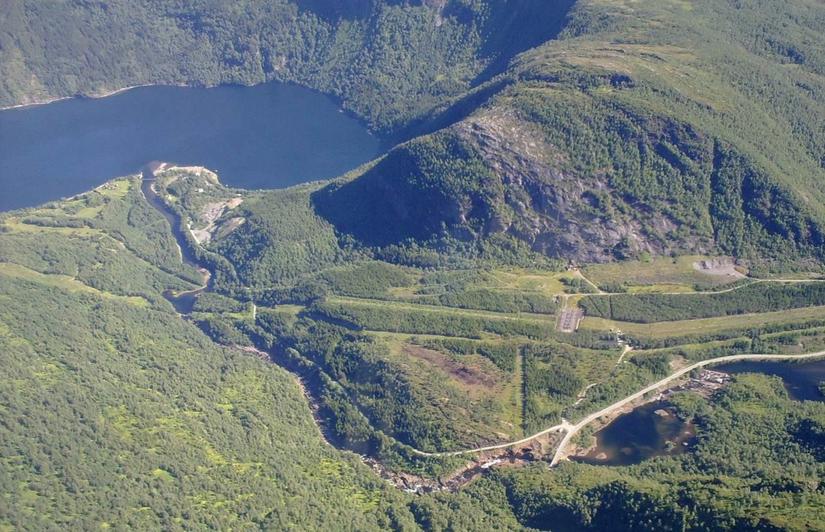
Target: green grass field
(705,325)
(522,316)
(64,282)
(660,274)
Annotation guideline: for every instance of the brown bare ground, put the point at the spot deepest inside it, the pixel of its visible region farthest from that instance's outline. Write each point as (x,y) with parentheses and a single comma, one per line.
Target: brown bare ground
(466,374)
(720,266)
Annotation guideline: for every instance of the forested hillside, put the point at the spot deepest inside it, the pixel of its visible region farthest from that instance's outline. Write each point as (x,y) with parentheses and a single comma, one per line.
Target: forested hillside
(369,53)
(178,354)
(120,412)
(646,130)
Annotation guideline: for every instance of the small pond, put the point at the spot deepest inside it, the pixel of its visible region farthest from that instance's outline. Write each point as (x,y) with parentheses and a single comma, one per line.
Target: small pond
(650,430)
(801,379)
(653,429)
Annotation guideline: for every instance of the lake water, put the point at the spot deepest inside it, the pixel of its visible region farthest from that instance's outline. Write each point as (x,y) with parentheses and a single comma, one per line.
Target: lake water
(801,380)
(648,431)
(645,433)
(268,136)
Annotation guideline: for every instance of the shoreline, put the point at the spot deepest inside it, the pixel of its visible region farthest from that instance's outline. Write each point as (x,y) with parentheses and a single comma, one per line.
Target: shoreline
(561,451)
(94,96)
(337,100)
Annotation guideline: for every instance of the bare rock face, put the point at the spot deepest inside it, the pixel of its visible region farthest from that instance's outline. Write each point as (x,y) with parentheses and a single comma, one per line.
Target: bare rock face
(491,174)
(498,173)
(554,210)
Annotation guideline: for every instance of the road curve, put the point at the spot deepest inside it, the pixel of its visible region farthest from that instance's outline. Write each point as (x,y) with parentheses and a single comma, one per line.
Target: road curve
(559,454)
(564,425)
(571,429)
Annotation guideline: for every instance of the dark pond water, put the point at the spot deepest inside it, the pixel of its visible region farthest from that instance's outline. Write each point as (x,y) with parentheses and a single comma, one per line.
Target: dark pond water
(644,433)
(801,380)
(268,136)
(648,431)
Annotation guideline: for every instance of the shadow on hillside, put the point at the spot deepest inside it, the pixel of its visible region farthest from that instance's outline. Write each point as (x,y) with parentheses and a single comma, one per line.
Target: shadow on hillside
(517,26)
(333,11)
(513,27)
(381,207)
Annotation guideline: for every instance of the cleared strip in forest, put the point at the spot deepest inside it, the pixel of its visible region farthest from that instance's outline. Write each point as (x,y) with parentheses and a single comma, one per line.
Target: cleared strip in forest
(756,298)
(410,336)
(752,281)
(550,319)
(664,329)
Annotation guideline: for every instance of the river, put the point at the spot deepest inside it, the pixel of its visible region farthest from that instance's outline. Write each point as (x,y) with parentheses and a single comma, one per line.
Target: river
(267,136)
(183,302)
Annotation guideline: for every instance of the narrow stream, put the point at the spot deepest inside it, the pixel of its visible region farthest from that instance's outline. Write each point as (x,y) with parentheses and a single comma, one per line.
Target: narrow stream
(182,301)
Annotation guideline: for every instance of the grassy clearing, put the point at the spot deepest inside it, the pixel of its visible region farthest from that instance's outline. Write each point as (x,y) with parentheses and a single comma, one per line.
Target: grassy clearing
(64,282)
(480,402)
(521,279)
(116,189)
(522,316)
(705,325)
(86,206)
(87,213)
(15,225)
(664,274)
(488,338)
(661,288)
(291,310)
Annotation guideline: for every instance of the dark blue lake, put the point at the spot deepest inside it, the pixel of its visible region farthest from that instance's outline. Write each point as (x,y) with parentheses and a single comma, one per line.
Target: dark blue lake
(268,136)
(649,430)
(801,380)
(652,429)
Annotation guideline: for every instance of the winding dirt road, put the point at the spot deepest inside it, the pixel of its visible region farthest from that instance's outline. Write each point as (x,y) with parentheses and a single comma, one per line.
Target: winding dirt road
(564,425)
(573,429)
(559,455)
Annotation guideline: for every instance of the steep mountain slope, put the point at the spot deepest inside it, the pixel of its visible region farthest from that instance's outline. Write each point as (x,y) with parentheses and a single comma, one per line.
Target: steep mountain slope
(643,129)
(367,52)
(116,412)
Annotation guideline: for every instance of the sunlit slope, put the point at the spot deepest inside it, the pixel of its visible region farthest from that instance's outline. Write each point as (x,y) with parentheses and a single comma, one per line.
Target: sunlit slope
(117,412)
(646,128)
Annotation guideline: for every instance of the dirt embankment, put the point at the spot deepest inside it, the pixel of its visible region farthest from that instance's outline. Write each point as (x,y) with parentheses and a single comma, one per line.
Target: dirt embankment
(462,372)
(517,456)
(720,267)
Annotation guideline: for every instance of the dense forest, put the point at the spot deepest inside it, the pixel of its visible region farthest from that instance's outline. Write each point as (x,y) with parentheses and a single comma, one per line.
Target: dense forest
(416,303)
(119,413)
(629,157)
